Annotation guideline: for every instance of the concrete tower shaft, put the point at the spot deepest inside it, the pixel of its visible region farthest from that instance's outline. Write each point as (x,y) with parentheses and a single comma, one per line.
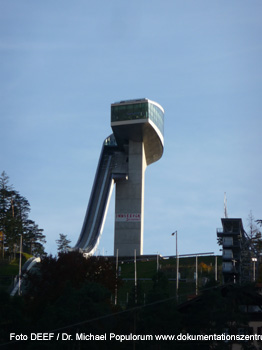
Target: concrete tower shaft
(129,205)
(138,129)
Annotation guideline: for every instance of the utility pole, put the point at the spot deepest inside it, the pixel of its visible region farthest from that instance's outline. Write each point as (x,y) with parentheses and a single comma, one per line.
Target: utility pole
(216,268)
(177,265)
(196,274)
(254,268)
(135,277)
(2,236)
(134,343)
(116,276)
(20,265)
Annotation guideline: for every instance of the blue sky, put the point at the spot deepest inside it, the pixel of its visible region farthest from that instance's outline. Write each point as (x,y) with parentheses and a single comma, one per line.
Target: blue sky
(63,63)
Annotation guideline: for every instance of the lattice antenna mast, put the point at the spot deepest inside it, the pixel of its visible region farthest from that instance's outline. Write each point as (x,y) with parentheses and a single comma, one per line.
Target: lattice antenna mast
(225,205)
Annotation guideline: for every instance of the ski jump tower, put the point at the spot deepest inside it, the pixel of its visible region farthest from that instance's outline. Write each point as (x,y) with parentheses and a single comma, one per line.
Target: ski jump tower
(137,141)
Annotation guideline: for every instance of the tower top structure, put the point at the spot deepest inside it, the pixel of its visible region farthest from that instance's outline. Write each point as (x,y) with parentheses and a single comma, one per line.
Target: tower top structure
(139,120)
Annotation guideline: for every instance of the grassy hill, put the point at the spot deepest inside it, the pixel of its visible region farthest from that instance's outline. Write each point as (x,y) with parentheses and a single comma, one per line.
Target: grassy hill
(187,268)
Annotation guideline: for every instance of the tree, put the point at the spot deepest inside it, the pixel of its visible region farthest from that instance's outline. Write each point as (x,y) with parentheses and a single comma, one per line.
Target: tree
(63,244)
(15,222)
(34,239)
(254,234)
(253,229)
(5,189)
(54,274)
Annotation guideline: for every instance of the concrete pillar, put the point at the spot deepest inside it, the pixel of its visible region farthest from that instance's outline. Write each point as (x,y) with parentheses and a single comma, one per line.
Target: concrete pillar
(129,204)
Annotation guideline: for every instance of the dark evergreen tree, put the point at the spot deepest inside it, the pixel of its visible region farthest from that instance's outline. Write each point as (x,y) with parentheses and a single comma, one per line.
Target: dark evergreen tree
(253,230)
(55,274)
(5,190)
(15,222)
(63,244)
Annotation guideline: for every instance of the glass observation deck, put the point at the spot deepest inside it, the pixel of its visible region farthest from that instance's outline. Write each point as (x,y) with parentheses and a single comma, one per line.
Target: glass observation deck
(131,110)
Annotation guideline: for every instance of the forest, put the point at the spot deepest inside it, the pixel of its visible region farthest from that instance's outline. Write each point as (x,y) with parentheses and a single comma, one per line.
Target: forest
(73,296)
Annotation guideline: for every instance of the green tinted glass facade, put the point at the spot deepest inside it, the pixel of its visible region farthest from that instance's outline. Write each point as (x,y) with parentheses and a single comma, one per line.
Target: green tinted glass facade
(129,112)
(157,117)
(135,111)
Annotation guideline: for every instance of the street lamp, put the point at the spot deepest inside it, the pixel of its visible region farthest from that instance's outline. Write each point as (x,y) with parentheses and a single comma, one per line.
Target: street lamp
(177,264)
(254,268)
